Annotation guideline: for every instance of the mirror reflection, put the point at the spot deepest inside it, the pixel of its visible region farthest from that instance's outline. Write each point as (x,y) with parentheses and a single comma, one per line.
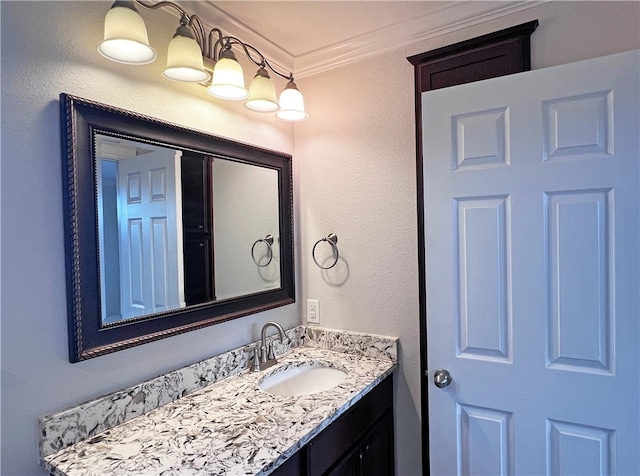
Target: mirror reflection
(245,211)
(178,228)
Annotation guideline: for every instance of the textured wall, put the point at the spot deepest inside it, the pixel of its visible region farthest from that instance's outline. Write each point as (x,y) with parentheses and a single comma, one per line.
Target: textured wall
(356,178)
(354,168)
(49,48)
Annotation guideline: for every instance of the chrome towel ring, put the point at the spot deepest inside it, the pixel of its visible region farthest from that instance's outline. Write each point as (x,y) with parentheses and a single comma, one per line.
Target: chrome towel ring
(332,239)
(269,241)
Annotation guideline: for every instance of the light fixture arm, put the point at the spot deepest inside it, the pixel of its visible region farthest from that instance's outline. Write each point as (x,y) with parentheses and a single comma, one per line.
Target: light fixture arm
(211,53)
(228,41)
(263,61)
(192,21)
(211,49)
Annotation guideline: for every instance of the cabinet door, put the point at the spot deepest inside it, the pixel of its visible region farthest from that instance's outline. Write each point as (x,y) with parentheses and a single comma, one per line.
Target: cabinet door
(196,198)
(377,448)
(373,455)
(197,275)
(347,431)
(294,466)
(350,464)
(198,229)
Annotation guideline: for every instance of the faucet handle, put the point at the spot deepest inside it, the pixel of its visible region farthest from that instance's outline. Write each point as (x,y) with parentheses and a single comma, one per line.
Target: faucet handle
(256,358)
(270,354)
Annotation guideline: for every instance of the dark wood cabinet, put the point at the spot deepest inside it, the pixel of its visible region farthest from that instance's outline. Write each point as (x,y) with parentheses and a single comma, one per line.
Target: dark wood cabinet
(349,465)
(377,449)
(488,56)
(294,466)
(197,225)
(198,286)
(359,443)
(372,455)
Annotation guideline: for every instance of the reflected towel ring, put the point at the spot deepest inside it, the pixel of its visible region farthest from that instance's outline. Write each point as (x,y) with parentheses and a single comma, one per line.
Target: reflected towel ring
(332,239)
(269,241)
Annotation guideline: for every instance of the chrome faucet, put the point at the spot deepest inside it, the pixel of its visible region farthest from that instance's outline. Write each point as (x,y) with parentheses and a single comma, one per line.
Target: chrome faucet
(267,356)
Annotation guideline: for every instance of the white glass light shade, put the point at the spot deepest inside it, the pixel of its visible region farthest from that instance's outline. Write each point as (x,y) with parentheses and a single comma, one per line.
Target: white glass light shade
(184,61)
(291,104)
(262,93)
(228,79)
(125,37)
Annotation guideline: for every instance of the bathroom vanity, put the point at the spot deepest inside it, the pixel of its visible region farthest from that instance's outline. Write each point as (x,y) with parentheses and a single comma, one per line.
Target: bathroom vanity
(359,442)
(214,418)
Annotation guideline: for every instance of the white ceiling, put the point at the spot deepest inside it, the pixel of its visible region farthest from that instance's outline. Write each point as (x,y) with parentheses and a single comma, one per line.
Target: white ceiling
(311,36)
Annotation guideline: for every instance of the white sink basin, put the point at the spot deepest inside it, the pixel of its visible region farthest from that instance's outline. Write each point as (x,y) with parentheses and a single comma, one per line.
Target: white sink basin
(302,378)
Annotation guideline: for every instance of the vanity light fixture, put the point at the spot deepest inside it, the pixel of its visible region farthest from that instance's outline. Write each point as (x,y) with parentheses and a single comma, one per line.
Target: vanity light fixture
(228,77)
(193,53)
(262,93)
(291,104)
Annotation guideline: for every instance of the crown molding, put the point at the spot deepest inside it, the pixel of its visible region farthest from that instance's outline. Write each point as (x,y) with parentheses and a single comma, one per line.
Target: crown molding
(448,17)
(453,16)
(212,16)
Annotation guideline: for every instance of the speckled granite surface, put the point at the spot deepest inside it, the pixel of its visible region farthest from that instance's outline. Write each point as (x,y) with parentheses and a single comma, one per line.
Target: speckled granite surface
(211,417)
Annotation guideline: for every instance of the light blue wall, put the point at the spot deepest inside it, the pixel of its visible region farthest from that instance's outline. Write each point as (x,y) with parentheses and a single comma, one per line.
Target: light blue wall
(49,48)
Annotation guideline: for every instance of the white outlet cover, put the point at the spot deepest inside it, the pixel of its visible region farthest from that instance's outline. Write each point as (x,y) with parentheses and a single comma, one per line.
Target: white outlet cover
(313,311)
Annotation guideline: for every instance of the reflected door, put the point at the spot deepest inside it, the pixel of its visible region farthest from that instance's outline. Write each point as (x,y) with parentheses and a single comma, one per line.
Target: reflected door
(150,233)
(531,225)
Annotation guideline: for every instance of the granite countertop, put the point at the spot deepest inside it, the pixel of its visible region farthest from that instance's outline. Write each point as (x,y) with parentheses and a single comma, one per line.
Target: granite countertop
(230,427)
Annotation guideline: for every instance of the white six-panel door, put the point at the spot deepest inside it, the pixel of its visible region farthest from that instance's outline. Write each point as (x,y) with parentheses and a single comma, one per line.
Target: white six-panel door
(150,217)
(532,235)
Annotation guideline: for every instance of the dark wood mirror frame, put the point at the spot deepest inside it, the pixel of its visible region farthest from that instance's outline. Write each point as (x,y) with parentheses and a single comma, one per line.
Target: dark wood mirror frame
(88,338)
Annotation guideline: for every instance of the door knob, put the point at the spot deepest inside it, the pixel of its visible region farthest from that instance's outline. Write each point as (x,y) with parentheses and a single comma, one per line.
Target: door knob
(442,378)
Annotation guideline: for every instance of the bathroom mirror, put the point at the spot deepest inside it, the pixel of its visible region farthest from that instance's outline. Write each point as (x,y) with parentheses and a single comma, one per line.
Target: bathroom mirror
(167,229)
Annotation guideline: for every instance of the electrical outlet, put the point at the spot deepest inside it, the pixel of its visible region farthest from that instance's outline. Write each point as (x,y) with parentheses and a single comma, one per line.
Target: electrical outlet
(313,311)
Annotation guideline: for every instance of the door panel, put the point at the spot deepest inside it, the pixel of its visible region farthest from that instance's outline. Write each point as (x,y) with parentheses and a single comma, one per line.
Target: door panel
(485,441)
(579,232)
(151,233)
(531,226)
(482,318)
(578,449)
